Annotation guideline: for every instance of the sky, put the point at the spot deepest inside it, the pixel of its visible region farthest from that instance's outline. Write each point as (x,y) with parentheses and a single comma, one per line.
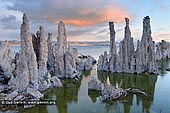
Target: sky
(86,20)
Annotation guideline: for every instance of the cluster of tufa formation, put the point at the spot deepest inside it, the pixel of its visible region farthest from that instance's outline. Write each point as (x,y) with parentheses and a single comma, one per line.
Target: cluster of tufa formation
(163,50)
(64,61)
(39,64)
(7,64)
(129,60)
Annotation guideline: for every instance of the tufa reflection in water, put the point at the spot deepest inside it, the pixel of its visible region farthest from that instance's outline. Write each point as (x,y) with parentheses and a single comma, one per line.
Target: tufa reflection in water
(125,81)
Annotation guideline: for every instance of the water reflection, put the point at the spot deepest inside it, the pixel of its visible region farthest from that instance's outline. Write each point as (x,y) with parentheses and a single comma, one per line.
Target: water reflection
(163,64)
(66,95)
(125,81)
(75,98)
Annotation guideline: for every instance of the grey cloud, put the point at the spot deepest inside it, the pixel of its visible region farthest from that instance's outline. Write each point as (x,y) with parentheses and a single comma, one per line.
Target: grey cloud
(8,18)
(75,12)
(9,22)
(11,25)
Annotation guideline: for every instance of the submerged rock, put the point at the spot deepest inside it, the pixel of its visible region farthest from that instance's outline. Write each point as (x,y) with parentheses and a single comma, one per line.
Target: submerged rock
(109,93)
(56,81)
(94,84)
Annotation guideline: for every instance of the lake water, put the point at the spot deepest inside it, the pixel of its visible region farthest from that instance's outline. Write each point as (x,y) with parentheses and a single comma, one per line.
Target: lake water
(75,98)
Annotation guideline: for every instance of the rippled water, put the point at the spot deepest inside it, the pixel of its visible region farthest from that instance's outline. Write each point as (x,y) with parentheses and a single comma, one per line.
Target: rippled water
(75,98)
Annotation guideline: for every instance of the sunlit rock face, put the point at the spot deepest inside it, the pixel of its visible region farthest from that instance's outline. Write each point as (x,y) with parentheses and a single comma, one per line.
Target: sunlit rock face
(65,62)
(163,50)
(62,38)
(59,51)
(7,57)
(145,54)
(127,59)
(27,72)
(126,50)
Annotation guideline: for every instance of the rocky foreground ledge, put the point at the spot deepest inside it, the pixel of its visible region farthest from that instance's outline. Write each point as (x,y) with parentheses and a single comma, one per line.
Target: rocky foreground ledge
(39,65)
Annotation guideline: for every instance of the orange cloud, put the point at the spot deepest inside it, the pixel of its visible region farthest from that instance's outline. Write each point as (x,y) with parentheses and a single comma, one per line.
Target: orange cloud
(91,16)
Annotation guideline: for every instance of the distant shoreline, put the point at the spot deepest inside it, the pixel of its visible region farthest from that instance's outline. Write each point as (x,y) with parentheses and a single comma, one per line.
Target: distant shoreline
(77,43)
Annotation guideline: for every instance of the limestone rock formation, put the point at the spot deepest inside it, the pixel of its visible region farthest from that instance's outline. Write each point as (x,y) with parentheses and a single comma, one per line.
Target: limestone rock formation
(27,72)
(63,61)
(163,50)
(50,50)
(36,43)
(94,84)
(34,92)
(84,62)
(11,95)
(59,51)
(37,58)
(7,65)
(127,60)
(126,50)
(43,54)
(62,38)
(145,54)
(113,58)
(112,39)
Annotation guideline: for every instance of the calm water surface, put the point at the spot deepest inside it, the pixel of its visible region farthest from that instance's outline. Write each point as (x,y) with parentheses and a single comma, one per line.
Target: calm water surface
(75,98)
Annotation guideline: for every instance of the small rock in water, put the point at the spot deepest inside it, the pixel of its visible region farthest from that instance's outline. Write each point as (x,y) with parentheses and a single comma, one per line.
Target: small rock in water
(94,84)
(168,69)
(56,81)
(109,93)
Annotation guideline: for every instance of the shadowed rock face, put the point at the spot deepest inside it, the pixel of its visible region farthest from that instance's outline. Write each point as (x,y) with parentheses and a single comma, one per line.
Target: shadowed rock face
(50,50)
(127,60)
(7,57)
(112,39)
(43,54)
(163,50)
